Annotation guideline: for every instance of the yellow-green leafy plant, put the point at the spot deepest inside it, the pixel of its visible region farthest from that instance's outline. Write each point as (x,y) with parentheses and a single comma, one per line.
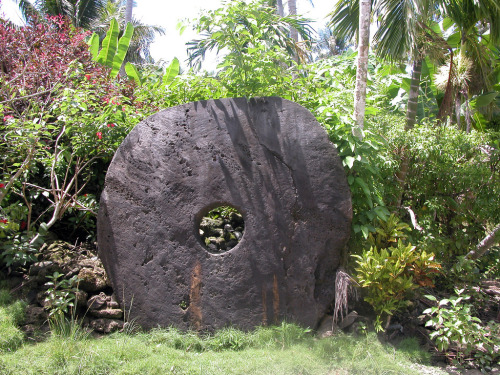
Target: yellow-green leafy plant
(388,232)
(390,275)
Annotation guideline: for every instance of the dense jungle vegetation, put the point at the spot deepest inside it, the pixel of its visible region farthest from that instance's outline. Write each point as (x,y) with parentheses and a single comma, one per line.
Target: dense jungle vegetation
(423,164)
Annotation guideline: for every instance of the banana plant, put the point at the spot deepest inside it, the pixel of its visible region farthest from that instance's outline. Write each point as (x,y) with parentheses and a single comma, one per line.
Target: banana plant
(113,50)
(166,79)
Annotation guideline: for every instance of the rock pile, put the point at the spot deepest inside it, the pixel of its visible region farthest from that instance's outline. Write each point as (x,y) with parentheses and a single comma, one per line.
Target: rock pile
(94,300)
(221,232)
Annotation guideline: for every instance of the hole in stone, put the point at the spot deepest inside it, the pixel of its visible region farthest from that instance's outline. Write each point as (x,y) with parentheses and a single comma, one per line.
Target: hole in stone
(221,229)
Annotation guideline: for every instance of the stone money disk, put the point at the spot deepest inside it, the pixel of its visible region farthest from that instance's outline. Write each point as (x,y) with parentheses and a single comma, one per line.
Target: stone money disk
(266,157)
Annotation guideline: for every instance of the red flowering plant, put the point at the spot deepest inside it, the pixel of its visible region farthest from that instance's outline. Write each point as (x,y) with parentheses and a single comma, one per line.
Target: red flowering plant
(55,123)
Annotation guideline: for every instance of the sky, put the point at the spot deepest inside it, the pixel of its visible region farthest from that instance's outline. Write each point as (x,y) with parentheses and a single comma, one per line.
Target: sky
(168,13)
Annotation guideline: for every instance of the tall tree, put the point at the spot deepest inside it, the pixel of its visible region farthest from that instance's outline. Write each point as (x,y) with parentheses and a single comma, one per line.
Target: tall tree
(477,23)
(292,11)
(128,11)
(279,8)
(362,63)
(350,18)
(81,12)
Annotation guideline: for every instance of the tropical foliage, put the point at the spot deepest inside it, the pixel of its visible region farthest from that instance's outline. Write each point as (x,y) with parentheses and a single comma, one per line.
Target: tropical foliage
(423,171)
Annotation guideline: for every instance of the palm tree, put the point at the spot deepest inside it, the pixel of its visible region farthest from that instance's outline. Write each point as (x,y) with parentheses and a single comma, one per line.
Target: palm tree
(327,44)
(80,12)
(128,11)
(292,11)
(402,26)
(96,15)
(362,63)
(347,20)
(401,36)
(478,25)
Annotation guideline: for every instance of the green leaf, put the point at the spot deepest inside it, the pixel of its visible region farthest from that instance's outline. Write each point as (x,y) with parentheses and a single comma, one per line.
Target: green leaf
(405,84)
(366,190)
(349,161)
(365,230)
(122,50)
(483,100)
(94,46)
(382,212)
(447,23)
(133,73)
(454,39)
(171,72)
(109,45)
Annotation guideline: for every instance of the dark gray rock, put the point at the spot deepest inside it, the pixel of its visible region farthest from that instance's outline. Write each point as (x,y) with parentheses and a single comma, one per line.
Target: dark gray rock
(107,313)
(97,302)
(106,325)
(35,315)
(269,159)
(92,279)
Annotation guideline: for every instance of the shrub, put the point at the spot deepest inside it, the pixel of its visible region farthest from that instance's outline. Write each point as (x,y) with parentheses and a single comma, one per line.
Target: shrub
(457,328)
(389,275)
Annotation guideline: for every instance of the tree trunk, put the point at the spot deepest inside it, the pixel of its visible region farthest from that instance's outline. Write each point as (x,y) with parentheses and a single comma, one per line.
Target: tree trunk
(128,18)
(292,10)
(128,11)
(447,102)
(362,64)
(411,109)
(279,8)
(458,107)
(468,119)
(411,119)
(487,242)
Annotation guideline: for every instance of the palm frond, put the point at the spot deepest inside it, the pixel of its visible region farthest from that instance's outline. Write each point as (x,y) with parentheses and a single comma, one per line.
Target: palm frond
(28,10)
(345,19)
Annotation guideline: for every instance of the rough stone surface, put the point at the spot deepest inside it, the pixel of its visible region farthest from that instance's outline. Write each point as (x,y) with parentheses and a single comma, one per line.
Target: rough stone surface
(106,325)
(97,302)
(107,313)
(268,158)
(92,280)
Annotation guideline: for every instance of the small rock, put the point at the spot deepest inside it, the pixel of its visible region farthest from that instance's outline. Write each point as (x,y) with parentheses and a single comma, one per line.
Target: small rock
(34,315)
(97,302)
(348,320)
(326,327)
(90,263)
(81,298)
(37,267)
(106,325)
(92,280)
(112,303)
(107,313)
(40,297)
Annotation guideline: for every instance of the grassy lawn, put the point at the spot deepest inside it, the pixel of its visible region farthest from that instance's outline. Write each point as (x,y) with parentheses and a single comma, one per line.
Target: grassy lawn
(285,349)
(150,354)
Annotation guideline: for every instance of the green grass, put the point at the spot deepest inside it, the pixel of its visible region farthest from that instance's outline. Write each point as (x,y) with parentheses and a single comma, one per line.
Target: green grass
(286,349)
(170,352)
(11,314)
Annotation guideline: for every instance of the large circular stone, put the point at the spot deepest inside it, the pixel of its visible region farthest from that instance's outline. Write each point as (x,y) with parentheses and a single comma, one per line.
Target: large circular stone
(268,158)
